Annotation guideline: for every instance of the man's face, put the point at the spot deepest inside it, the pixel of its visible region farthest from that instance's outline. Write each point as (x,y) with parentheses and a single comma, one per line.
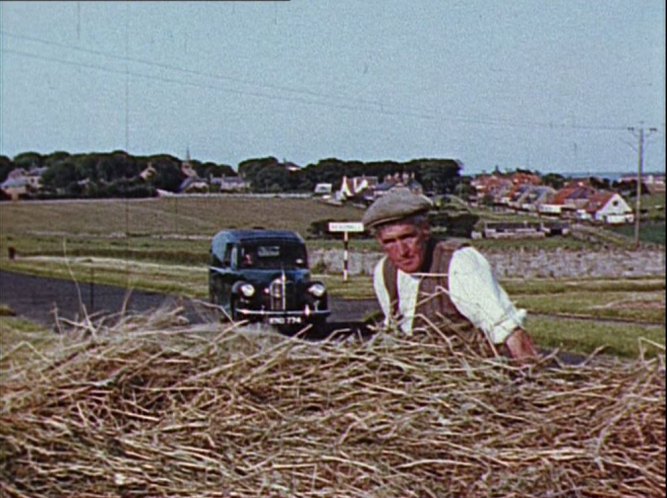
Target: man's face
(405,245)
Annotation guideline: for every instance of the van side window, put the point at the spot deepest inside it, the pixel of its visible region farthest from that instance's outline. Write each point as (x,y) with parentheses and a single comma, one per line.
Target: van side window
(233,251)
(227,256)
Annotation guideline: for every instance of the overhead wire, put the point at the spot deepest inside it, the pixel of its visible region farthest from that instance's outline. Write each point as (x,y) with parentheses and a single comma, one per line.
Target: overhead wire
(331,101)
(208,86)
(192,72)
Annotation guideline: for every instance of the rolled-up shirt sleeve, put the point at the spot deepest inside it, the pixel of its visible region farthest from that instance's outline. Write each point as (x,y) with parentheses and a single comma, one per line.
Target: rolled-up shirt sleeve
(476,293)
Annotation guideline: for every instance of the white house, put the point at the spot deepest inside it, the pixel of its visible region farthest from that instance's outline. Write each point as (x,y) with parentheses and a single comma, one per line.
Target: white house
(609,207)
(228,183)
(323,189)
(355,187)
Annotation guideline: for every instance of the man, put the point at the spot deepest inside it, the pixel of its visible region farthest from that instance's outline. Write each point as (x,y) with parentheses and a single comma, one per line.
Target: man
(421,284)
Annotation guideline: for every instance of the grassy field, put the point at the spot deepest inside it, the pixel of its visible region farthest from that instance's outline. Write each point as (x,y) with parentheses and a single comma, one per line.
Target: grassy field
(166,229)
(162,245)
(649,231)
(178,230)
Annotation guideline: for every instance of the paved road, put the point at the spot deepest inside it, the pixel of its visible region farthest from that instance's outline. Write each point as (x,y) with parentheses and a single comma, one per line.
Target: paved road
(39,299)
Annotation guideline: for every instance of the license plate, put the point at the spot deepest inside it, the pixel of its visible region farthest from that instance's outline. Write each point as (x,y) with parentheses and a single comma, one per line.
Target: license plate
(285,320)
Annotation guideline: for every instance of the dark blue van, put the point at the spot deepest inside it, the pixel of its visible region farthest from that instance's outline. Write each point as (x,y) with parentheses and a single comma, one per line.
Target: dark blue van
(263,275)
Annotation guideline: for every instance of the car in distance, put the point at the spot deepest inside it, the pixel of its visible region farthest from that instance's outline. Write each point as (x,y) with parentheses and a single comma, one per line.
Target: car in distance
(263,275)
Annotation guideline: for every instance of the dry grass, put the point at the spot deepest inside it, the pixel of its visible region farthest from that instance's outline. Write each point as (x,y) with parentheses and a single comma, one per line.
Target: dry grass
(150,406)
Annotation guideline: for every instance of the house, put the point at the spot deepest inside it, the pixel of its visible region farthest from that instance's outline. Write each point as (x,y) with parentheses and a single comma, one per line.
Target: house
(609,207)
(359,188)
(514,198)
(290,166)
(491,188)
(15,188)
(148,173)
(512,230)
(653,183)
(21,182)
(534,196)
(187,169)
(397,180)
(504,190)
(520,185)
(229,183)
(193,185)
(323,189)
(569,200)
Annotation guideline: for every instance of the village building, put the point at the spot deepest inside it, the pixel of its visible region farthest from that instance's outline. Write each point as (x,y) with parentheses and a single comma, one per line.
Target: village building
(148,173)
(653,183)
(229,183)
(609,207)
(356,189)
(398,180)
(193,185)
(21,182)
(534,197)
(502,189)
(323,189)
(568,200)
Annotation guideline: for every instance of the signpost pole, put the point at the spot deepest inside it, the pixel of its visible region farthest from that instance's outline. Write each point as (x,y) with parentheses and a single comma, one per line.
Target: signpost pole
(345,257)
(346,227)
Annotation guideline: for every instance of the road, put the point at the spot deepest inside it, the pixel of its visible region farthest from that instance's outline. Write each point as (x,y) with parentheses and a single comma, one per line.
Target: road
(42,299)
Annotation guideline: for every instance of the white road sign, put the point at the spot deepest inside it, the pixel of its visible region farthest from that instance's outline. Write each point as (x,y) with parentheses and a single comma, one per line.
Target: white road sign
(346,226)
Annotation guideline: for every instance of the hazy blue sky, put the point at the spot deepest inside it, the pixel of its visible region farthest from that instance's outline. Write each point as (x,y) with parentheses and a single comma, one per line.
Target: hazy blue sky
(546,85)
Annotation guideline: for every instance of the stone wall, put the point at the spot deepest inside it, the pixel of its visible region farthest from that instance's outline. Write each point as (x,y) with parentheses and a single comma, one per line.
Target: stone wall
(528,264)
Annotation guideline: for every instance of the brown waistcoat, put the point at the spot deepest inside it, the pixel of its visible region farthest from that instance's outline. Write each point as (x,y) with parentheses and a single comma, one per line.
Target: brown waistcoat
(434,310)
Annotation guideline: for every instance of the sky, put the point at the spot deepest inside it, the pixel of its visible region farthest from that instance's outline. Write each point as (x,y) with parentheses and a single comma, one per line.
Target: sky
(561,87)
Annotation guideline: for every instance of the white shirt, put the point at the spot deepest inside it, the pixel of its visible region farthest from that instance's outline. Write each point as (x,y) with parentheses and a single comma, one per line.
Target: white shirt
(473,288)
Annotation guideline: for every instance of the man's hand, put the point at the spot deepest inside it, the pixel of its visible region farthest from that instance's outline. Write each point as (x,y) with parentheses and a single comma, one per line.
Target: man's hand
(520,346)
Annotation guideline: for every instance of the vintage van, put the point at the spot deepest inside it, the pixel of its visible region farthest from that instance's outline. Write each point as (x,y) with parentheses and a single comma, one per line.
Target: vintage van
(263,275)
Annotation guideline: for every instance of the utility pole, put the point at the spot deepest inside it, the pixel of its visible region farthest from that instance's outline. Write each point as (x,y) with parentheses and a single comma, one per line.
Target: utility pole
(640,134)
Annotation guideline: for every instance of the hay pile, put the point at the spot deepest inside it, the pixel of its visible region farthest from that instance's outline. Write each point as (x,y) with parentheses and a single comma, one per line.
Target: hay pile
(145,410)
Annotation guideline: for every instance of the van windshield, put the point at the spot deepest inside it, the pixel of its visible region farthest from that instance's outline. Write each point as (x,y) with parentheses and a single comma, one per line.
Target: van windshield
(268,255)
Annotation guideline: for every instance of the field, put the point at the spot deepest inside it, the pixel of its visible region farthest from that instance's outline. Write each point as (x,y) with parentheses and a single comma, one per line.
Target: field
(162,245)
(150,405)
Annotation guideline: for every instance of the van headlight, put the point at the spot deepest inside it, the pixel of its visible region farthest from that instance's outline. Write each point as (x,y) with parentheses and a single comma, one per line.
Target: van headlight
(317,289)
(247,290)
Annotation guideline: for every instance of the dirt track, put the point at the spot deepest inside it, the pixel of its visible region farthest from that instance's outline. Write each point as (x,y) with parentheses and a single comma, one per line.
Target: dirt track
(39,299)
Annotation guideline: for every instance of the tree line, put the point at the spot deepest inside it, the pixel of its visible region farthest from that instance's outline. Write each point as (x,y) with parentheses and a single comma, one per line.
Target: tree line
(119,174)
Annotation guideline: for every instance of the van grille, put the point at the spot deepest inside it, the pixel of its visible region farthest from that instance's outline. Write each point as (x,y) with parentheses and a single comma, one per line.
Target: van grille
(281,295)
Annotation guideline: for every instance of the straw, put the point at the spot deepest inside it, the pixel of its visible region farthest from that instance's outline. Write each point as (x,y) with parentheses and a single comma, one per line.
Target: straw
(149,406)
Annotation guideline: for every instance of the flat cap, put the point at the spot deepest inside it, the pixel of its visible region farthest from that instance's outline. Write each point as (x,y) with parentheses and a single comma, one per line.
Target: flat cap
(395,205)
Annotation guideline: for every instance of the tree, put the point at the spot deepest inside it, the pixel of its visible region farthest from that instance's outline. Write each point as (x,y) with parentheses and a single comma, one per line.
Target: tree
(440,176)
(28,160)
(599,183)
(55,157)
(253,171)
(168,173)
(210,169)
(61,177)
(554,180)
(272,179)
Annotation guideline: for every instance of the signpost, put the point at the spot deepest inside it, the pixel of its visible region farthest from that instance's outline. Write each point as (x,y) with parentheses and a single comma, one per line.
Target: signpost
(345,227)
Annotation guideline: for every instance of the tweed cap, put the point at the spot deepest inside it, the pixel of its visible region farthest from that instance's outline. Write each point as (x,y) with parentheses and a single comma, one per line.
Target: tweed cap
(395,205)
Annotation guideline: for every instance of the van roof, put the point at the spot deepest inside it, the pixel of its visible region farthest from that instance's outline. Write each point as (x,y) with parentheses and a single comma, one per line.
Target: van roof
(257,235)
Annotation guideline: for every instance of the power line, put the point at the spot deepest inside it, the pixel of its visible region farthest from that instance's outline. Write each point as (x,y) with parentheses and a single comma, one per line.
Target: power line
(350,104)
(211,87)
(188,71)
